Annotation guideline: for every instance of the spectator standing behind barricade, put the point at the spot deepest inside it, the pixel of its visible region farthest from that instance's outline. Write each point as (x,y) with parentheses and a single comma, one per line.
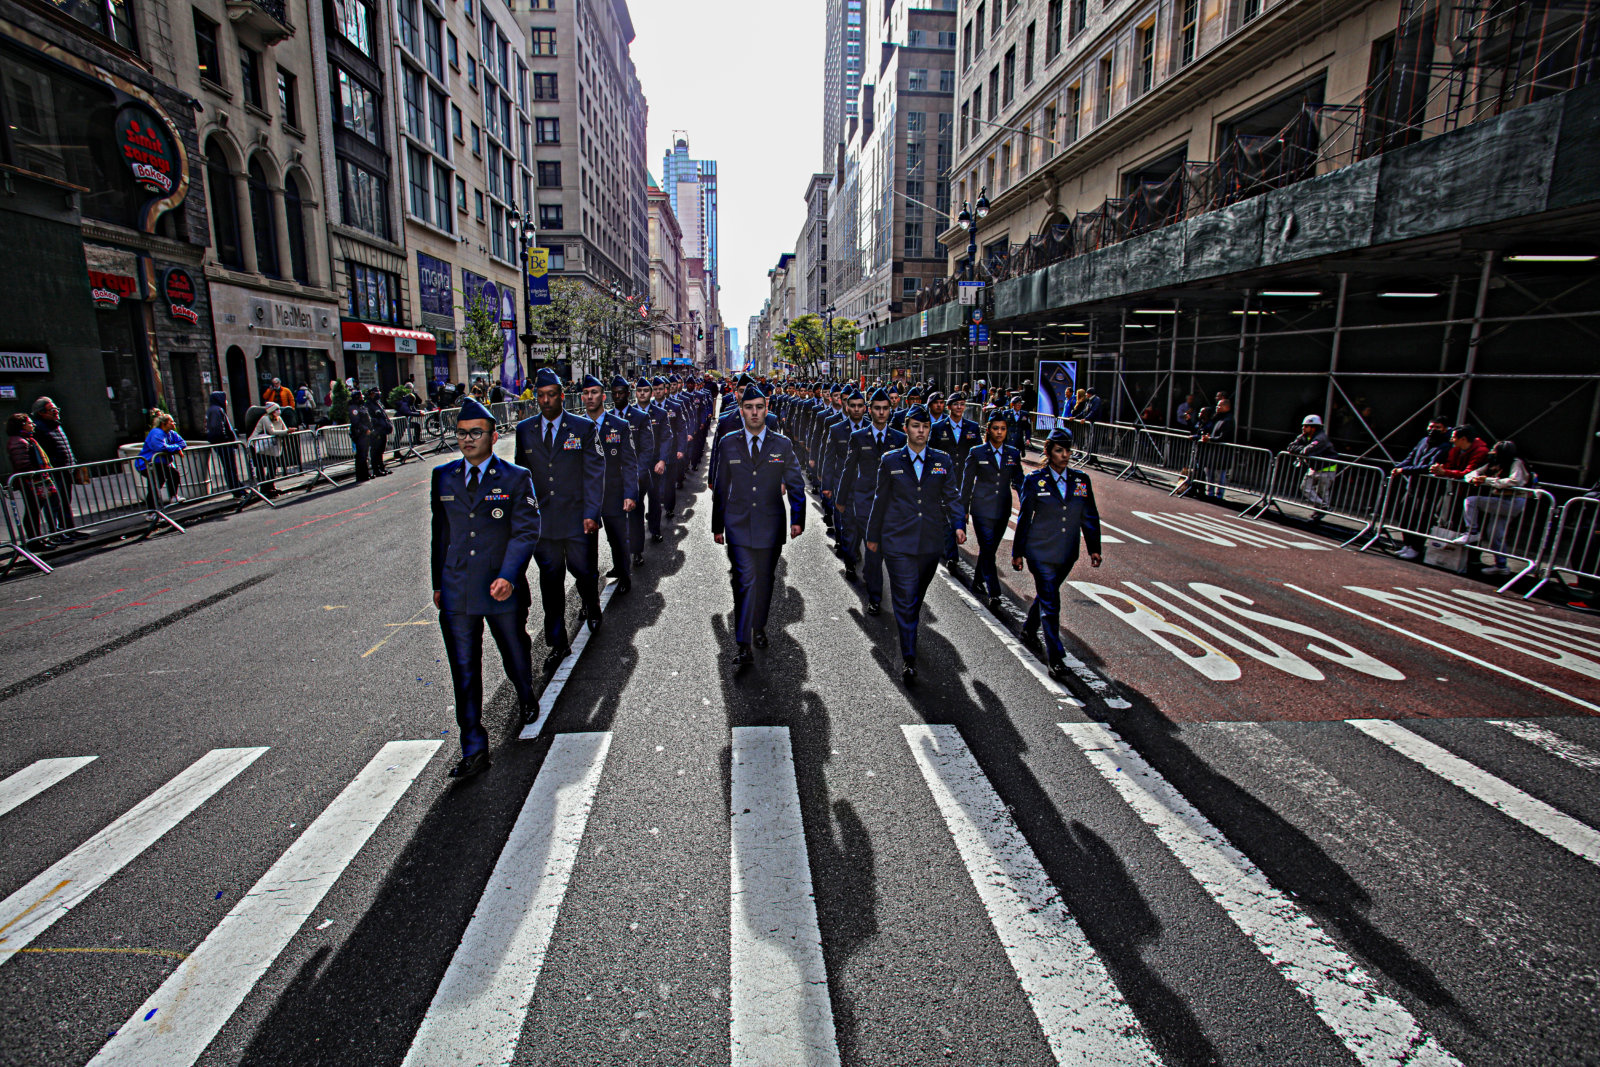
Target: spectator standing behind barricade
(305,404)
(158,459)
(1212,463)
(219,431)
(50,435)
(361,439)
(1184,418)
(1313,445)
(37,488)
(1422,458)
(1497,498)
(267,439)
(405,414)
(381,428)
(1467,453)
(277,394)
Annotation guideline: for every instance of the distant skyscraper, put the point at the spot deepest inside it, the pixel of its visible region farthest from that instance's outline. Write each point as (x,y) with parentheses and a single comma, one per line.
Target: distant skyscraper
(691,185)
(841,76)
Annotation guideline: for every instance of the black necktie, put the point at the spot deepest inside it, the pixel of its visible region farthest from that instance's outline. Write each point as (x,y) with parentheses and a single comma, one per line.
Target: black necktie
(472,480)
(549,434)
(755,449)
(917,460)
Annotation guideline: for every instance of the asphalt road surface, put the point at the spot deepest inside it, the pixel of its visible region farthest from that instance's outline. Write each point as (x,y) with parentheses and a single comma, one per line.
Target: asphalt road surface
(1294,806)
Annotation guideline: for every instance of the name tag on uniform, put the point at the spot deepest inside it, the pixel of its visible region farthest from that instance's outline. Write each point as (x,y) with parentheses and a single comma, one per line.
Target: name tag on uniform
(571,443)
(451,497)
(730,461)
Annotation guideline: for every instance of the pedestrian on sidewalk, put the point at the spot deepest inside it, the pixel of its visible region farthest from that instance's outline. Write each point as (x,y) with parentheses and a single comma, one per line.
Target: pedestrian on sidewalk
(219,431)
(277,394)
(1422,458)
(52,437)
(917,497)
(1311,446)
(1057,508)
(37,487)
(485,526)
(757,467)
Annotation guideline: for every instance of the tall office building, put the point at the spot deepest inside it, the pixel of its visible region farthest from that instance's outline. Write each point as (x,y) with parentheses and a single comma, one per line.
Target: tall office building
(691,185)
(841,80)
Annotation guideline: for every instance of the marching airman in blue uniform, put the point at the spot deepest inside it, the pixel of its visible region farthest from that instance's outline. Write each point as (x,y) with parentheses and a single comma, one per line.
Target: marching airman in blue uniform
(661,429)
(1019,428)
(644,450)
(621,497)
(756,469)
(993,470)
(730,423)
(485,527)
(675,451)
(918,496)
(1057,508)
(912,400)
(835,450)
(858,481)
(562,451)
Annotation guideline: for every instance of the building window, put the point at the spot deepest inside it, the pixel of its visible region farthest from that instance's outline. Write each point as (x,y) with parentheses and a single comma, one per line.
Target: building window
(947,39)
(355,25)
(455,123)
(1011,72)
(365,199)
(374,293)
(916,38)
(995,25)
(977,25)
(358,108)
(1048,149)
(436,122)
(965,119)
(550,217)
(909,288)
(205,47)
(250,75)
(977,110)
(1027,54)
(1080,17)
(545,87)
(994,91)
(224,209)
(549,174)
(913,237)
(417,167)
(433,45)
(263,221)
(411,89)
(1249,9)
(295,215)
(917,82)
(558,256)
(1189,31)
(477,140)
(497,231)
(288,98)
(472,71)
(966,47)
(1102,107)
(477,199)
(452,50)
(544,42)
(1074,114)
(461,194)
(407,10)
(442,215)
(547,131)
(1005,165)
(947,82)
(1145,40)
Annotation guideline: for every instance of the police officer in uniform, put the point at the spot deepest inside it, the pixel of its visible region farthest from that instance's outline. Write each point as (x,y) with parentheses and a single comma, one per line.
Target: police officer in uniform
(562,452)
(858,481)
(993,470)
(1057,508)
(485,526)
(622,483)
(918,496)
(644,450)
(755,469)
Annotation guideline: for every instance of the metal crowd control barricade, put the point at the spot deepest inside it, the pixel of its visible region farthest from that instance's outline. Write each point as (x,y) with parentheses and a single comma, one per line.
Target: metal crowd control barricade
(1511,524)
(1162,450)
(1328,486)
(299,452)
(440,426)
(87,495)
(206,472)
(1220,468)
(12,539)
(407,437)
(1574,544)
(337,446)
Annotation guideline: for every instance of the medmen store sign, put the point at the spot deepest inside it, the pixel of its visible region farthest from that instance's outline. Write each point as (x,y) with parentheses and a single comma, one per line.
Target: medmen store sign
(146,148)
(177,285)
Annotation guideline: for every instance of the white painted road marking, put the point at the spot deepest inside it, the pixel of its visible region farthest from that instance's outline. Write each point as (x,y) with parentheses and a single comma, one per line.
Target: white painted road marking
(478,1010)
(1079,1007)
(558,681)
(1551,742)
(34,908)
(36,777)
(181,1018)
(1026,658)
(1487,665)
(782,1015)
(1535,814)
(1372,1025)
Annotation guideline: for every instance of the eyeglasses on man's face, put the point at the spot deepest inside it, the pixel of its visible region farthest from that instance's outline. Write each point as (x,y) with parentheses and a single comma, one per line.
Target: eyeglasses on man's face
(471,435)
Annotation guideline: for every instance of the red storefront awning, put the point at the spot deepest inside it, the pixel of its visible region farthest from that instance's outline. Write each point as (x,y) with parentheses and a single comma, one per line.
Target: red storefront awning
(365,337)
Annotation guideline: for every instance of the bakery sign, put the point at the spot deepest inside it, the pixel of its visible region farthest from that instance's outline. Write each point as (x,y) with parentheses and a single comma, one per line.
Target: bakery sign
(146,148)
(177,286)
(113,275)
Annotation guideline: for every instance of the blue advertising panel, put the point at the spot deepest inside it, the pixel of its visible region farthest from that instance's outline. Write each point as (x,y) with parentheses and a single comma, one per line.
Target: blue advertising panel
(1057,385)
(433,283)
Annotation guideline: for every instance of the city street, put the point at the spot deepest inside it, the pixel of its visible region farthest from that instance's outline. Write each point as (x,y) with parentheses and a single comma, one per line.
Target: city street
(1296,805)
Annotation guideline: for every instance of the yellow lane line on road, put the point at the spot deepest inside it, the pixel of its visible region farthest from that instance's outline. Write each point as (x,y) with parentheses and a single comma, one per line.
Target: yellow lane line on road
(408,622)
(167,953)
(31,907)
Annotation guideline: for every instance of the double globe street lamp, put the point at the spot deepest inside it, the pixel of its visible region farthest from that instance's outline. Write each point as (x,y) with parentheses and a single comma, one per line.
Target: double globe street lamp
(968,222)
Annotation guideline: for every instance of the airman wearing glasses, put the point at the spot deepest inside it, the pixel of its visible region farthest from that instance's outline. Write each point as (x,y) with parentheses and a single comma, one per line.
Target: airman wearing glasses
(485,527)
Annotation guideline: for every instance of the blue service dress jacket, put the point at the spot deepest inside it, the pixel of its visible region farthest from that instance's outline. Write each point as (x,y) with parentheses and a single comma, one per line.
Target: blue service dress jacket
(988,479)
(644,445)
(731,423)
(481,536)
(858,474)
(747,503)
(622,462)
(570,477)
(956,438)
(1049,524)
(909,515)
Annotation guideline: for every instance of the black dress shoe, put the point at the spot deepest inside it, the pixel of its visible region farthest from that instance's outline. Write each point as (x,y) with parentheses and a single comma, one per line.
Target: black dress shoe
(613,573)
(761,639)
(471,765)
(908,672)
(530,713)
(592,622)
(656,539)
(850,575)
(950,565)
(623,585)
(742,658)
(1058,670)
(1031,638)
(874,608)
(996,601)
(638,559)
(553,660)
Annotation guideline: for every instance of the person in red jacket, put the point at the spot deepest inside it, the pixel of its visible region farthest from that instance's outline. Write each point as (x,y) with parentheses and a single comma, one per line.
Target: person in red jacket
(1467,453)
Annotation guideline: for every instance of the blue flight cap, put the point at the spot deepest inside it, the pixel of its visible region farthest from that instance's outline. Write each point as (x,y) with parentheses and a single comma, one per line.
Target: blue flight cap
(659,380)
(957,397)
(618,382)
(545,377)
(836,389)
(591,382)
(751,393)
(918,413)
(1059,436)
(471,409)
(643,383)
(878,394)
(935,396)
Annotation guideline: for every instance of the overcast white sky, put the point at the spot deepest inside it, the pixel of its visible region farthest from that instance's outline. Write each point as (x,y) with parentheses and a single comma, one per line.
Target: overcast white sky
(744,79)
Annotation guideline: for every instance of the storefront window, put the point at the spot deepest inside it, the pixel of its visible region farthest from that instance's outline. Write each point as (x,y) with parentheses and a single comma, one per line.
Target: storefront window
(293,367)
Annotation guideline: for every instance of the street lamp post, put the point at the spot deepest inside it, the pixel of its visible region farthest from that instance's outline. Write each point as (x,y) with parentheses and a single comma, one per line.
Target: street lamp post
(829,312)
(968,220)
(527,237)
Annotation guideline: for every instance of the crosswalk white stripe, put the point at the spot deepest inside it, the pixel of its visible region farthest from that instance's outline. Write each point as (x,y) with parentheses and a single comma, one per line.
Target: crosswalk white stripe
(36,777)
(558,681)
(1551,742)
(181,1018)
(1373,1026)
(1015,647)
(1530,811)
(781,1014)
(1079,1007)
(478,1010)
(34,908)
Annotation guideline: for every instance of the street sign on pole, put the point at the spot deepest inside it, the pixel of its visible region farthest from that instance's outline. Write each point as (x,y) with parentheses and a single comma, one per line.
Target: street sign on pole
(969,292)
(538,277)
